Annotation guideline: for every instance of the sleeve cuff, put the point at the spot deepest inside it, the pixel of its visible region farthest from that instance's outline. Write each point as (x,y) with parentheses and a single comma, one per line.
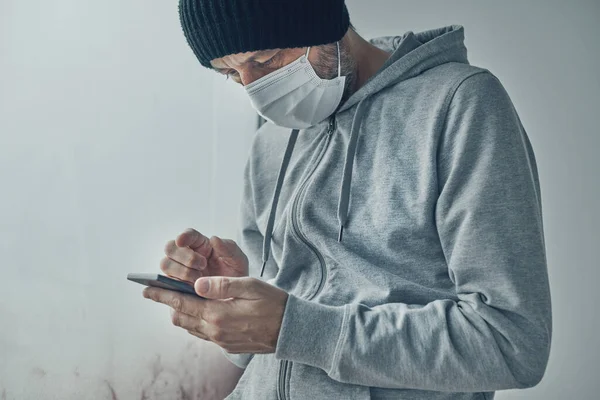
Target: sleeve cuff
(310,333)
(239,360)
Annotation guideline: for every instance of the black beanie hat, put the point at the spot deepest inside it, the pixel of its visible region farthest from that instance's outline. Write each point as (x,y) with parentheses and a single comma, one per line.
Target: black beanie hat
(217,28)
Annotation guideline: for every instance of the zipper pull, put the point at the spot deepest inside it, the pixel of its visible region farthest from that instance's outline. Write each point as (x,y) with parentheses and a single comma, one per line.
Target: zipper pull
(331,127)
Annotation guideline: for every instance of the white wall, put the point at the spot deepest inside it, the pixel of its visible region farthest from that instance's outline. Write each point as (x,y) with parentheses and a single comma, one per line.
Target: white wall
(547,54)
(113,140)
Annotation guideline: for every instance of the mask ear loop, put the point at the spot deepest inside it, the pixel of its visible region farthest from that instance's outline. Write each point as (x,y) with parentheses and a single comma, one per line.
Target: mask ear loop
(307,50)
(339,60)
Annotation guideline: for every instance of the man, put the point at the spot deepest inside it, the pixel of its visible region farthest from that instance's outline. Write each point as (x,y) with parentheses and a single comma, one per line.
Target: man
(392,202)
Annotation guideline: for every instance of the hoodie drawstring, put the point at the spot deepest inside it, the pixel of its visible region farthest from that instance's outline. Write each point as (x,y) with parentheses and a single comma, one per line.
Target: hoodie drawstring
(284,165)
(344,199)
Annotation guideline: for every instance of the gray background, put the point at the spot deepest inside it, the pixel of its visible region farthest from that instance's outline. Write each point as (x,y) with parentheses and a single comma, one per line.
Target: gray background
(113,140)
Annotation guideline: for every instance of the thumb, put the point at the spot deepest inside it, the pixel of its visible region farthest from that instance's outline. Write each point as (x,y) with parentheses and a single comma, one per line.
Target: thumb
(224,287)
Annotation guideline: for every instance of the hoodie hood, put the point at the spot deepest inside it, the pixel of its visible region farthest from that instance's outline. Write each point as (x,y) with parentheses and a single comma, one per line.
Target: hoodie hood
(411,55)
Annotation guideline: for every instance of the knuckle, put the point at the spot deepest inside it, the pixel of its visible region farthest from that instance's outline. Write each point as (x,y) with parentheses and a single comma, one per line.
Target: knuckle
(223,285)
(170,247)
(209,317)
(217,321)
(176,319)
(188,275)
(189,278)
(189,231)
(165,263)
(196,260)
(176,303)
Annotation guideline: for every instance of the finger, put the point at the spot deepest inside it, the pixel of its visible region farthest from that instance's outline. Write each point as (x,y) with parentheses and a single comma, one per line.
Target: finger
(223,287)
(201,328)
(181,272)
(229,252)
(223,247)
(185,303)
(189,322)
(196,241)
(185,256)
(199,335)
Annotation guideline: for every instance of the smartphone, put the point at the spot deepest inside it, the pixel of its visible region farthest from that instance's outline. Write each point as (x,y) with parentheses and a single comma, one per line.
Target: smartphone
(163,282)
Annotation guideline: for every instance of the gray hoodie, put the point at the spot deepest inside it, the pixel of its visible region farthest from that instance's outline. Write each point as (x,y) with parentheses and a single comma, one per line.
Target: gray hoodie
(407,230)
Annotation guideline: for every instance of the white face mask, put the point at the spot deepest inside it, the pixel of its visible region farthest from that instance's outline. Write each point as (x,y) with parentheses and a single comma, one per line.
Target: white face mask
(294,96)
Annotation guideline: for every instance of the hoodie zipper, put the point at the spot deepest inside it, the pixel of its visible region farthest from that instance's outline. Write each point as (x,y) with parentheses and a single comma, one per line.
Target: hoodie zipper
(284,364)
(295,210)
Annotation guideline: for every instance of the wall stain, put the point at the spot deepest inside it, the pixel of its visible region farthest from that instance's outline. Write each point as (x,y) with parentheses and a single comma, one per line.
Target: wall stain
(38,372)
(112,390)
(182,381)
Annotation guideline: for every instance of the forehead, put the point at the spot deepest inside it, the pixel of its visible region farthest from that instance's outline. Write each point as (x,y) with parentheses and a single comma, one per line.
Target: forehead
(234,60)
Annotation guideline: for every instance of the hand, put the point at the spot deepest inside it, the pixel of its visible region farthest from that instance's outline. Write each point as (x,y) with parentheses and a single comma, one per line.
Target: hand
(192,255)
(243,316)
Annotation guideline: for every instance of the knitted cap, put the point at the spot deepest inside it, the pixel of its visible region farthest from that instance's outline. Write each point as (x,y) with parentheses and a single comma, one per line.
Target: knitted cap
(217,28)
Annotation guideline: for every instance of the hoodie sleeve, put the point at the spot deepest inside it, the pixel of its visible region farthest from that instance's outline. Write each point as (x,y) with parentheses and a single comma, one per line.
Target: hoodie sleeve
(497,334)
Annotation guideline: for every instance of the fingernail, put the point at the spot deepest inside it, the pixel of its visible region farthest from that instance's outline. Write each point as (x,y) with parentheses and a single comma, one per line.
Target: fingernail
(203,285)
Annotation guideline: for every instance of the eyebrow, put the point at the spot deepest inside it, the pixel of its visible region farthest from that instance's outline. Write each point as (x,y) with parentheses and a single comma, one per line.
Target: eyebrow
(252,58)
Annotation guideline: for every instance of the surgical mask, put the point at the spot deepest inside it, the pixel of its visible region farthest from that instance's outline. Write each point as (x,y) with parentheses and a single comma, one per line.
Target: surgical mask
(295,96)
